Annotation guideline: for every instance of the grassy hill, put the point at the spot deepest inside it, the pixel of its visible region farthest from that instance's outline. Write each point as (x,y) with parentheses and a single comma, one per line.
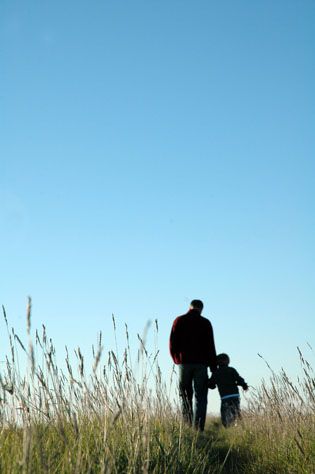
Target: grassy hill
(107,420)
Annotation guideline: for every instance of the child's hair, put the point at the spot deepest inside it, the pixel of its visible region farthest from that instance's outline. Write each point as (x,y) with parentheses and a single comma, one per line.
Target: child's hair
(223,359)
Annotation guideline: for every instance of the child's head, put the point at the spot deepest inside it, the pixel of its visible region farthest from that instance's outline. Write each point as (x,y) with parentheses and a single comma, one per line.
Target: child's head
(223,360)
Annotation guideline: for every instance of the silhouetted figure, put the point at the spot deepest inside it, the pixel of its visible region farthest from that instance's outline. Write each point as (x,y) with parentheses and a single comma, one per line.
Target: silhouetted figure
(227,380)
(192,348)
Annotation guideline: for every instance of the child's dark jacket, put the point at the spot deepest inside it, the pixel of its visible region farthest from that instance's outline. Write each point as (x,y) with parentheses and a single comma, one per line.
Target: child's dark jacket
(227,380)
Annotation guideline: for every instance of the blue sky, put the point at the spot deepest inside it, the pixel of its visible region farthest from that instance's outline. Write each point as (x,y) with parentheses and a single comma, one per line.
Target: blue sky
(156,152)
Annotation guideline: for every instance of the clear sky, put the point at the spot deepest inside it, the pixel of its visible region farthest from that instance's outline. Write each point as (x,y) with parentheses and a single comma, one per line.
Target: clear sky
(153,152)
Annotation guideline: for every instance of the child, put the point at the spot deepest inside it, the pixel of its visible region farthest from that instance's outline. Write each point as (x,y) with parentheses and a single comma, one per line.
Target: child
(227,380)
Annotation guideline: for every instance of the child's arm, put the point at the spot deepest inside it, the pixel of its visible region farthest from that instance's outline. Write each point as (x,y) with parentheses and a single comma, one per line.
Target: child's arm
(240,381)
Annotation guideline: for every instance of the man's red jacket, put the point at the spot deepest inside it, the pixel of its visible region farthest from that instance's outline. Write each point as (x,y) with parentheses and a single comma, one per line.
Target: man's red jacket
(191,340)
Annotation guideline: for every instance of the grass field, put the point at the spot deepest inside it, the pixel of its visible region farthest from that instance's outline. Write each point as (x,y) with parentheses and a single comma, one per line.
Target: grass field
(106,419)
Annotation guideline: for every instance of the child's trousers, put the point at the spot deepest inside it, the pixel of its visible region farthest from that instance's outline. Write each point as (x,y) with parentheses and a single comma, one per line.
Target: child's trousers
(230,410)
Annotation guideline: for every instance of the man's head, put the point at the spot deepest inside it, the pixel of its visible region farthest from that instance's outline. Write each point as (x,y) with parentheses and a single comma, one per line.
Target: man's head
(197,305)
(223,360)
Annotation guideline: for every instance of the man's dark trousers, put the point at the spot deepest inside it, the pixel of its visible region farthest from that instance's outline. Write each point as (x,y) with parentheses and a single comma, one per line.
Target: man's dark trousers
(193,378)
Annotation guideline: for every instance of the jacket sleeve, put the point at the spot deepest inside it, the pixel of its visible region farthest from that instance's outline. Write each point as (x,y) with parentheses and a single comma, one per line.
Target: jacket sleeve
(174,342)
(240,381)
(212,382)
(212,351)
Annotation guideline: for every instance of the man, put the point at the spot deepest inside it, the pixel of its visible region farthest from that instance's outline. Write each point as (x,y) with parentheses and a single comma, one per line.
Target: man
(192,348)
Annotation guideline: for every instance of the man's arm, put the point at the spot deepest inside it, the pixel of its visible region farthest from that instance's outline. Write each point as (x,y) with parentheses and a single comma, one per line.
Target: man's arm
(211,348)
(212,382)
(174,342)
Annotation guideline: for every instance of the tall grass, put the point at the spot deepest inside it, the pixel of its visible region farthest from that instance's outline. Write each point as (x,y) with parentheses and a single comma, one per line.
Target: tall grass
(117,416)
(279,424)
(111,417)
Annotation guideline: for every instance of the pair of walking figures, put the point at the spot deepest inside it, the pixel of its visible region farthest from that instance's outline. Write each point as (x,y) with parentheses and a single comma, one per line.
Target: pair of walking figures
(192,348)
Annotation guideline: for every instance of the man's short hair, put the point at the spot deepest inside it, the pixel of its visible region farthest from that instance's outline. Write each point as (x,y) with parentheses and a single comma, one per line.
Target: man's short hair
(197,304)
